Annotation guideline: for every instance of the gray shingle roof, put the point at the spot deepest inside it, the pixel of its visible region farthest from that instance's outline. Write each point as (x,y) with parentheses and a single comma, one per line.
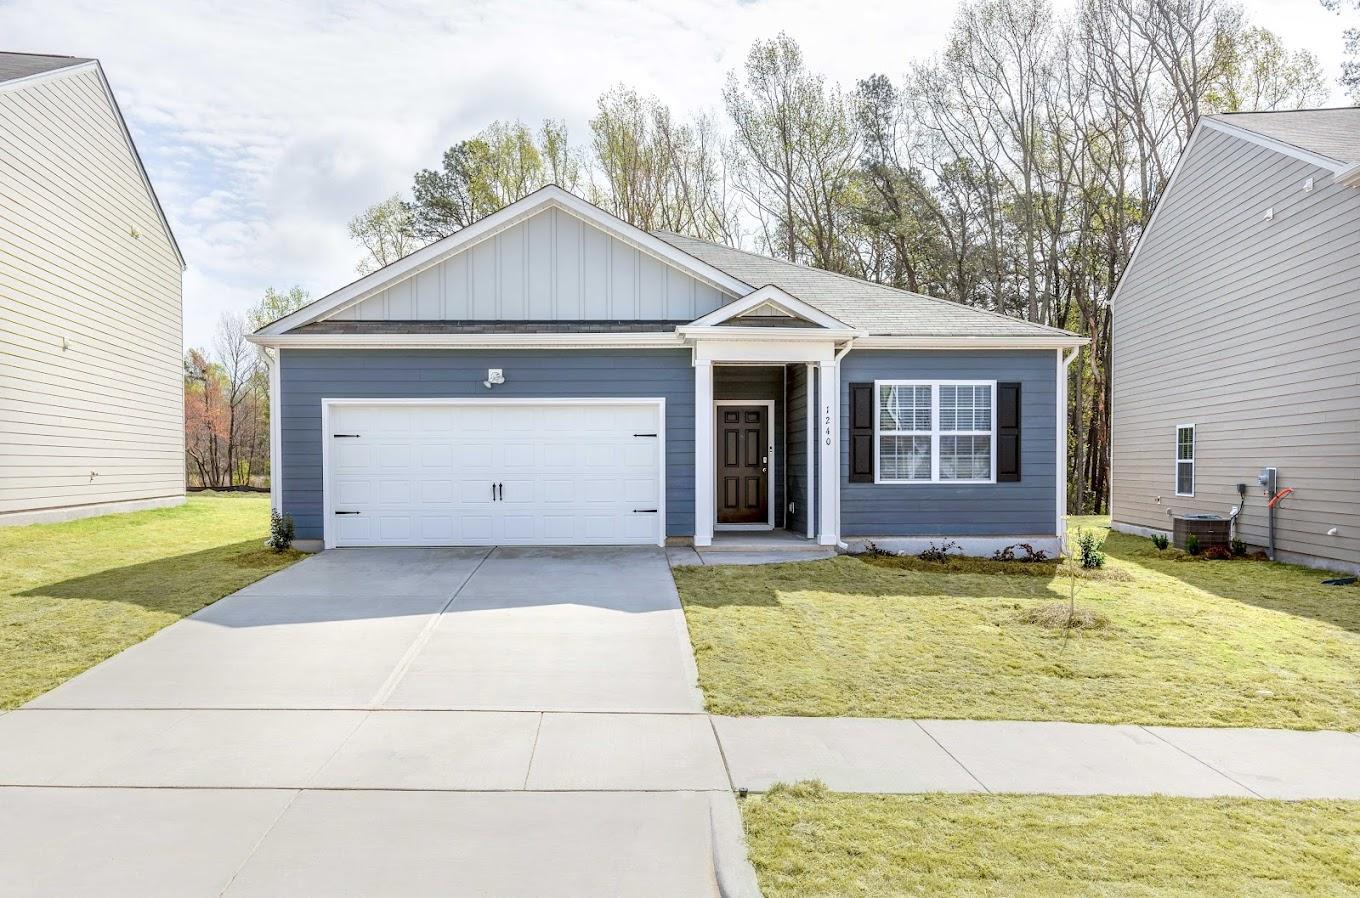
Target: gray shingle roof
(23,65)
(861,304)
(1334,133)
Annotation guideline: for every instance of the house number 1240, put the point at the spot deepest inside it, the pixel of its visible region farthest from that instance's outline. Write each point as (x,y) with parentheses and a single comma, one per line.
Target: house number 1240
(828,425)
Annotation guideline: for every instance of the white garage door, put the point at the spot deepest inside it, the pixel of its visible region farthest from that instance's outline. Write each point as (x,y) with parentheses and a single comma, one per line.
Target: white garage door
(485,473)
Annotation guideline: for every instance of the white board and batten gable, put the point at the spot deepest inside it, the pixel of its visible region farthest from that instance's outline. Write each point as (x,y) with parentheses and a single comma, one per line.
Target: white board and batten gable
(548,257)
(551,267)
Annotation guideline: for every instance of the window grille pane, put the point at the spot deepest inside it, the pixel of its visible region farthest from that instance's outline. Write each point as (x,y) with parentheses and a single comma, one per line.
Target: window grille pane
(1185,443)
(904,458)
(903,407)
(965,407)
(1185,477)
(966,458)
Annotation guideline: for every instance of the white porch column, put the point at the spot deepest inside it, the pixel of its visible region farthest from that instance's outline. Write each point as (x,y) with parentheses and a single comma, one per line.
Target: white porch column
(829,453)
(704,476)
(810,386)
(274,358)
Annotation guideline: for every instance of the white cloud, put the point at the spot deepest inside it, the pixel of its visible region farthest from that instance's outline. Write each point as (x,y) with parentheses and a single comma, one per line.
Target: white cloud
(266,126)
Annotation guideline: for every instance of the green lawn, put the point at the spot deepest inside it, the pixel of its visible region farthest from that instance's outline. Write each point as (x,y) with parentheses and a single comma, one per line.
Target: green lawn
(1190,642)
(807,843)
(73,594)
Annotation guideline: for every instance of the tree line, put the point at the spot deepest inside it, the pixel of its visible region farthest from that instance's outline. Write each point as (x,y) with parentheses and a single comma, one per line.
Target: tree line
(226,399)
(1013,171)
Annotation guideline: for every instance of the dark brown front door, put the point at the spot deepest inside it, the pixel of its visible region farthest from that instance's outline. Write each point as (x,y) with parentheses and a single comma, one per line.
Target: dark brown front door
(743,464)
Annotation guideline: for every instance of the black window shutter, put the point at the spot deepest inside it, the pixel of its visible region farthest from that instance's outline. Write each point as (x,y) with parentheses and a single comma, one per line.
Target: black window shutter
(1008,432)
(862,433)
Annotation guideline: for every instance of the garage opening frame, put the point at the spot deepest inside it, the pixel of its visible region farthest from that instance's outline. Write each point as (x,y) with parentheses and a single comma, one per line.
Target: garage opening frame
(327,499)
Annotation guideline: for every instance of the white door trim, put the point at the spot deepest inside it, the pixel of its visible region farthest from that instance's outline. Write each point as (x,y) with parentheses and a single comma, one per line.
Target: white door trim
(327,511)
(770,449)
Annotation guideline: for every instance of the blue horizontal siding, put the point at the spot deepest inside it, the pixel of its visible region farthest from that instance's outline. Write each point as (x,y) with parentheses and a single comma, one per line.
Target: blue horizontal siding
(1028,507)
(309,375)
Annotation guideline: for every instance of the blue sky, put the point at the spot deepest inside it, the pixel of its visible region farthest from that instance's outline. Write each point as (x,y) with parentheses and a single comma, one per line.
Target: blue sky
(266,126)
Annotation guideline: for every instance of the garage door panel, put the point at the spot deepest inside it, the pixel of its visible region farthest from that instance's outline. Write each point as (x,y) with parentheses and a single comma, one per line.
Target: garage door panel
(437,492)
(424,475)
(476,529)
(474,456)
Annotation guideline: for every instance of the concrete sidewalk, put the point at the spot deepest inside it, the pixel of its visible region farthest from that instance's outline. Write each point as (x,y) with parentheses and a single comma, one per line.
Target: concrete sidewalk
(873,755)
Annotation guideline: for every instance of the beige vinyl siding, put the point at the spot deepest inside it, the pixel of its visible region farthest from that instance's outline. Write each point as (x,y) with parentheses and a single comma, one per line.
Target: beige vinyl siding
(1249,329)
(100,420)
(550,267)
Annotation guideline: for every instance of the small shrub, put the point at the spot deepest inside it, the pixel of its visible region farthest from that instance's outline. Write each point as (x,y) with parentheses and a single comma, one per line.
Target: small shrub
(1088,549)
(874,550)
(1160,541)
(1218,553)
(1238,547)
(1192,544)
(938,553)
(1029,556)
(280,532)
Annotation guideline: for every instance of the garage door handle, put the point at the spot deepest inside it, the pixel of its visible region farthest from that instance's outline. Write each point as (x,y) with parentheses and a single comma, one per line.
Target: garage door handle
(644,434)
(644,511)
(347,512)
(352,436)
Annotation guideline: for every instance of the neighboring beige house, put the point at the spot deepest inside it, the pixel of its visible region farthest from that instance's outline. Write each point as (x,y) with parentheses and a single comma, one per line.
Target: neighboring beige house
(91,379)
(1237,338)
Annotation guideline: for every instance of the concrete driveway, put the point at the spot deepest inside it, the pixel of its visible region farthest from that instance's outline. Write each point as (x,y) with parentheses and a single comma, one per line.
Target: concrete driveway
(404,721)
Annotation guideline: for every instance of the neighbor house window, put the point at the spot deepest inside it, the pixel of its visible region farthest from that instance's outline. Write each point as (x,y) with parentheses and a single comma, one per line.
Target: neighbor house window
(935,432)
(1185,460)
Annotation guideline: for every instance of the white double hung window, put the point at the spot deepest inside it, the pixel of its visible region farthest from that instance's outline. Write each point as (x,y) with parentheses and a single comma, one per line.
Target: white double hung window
(1185,460)
(935,431)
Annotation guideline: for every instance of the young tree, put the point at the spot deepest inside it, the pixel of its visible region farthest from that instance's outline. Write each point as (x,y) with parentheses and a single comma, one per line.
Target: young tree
(656,172)
(275,305)
(1350,66)
(504,162)
(386,231)
(795,148)
(1259,72)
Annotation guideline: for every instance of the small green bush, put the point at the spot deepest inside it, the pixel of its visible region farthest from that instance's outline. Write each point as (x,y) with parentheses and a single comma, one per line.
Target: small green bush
(1192,544)
(280,532)
(1160,541)
(1088,549)
(1238,547)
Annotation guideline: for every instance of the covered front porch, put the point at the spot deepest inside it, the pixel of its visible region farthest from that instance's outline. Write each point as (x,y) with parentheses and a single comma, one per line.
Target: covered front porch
(766,398)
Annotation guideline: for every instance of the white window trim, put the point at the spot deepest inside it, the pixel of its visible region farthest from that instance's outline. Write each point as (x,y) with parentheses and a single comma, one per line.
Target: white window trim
(1177,461)
(935,433)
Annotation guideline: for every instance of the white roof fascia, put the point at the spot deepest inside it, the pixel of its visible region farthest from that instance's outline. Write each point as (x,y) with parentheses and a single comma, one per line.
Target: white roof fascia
(1271,143)
(656,340)
(772,295)
(1349,176)
(485,228)
(1063,341)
